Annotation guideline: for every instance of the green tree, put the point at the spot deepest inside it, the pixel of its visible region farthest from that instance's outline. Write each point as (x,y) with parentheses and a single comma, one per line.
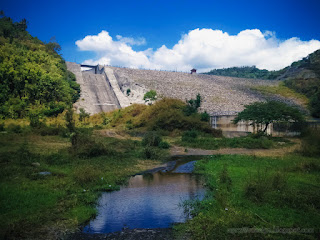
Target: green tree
(269,112)
(32,74)
(193,105)
(151,95)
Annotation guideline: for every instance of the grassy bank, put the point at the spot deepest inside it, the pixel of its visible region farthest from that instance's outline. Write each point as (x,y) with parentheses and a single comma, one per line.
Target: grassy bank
(194,139)
(248,194)
(37,205)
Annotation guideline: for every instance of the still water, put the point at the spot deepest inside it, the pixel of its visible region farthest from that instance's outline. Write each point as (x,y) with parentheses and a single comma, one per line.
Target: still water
(152,200)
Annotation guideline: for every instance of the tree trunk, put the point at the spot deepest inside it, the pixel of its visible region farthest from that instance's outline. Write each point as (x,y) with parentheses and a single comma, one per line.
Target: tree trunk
(265,129)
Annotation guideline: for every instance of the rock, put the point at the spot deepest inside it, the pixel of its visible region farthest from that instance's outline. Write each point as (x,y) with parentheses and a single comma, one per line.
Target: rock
(35,164)
(44,173)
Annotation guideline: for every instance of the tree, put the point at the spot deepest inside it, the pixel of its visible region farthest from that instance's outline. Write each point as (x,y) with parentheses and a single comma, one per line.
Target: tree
(269,112)
(193,105)
(151,95)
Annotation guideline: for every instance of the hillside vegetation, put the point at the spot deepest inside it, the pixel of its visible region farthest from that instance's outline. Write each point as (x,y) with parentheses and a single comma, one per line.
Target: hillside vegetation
(302,76)
(246,72)
(33,76)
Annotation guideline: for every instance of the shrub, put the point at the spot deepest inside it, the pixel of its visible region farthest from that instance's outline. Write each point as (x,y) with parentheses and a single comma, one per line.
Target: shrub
(192,105)
(14,128)
(2,127)
(164,145)
(85,146)
(151,95)
(83,114)
(279,181)
(35,120)
(151,152)
(256,186)
(190,134)
(205,117)
(310,145)
(151,139)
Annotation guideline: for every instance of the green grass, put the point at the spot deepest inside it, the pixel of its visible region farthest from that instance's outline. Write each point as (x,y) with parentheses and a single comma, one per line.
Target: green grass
(256,192)
(282,90)
(31,203)
(250,142)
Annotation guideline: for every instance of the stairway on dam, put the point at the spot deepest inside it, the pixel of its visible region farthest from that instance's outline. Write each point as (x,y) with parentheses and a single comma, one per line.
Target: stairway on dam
(97,94)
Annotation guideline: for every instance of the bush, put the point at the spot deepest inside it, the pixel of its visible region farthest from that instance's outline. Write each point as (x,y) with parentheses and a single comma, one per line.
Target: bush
(2,127)
(190,134)
(151,95)
(83,115)
(310,145)
(85,146)
(164,145)
(151,139)
(14,128)
(151,153)
(205,117)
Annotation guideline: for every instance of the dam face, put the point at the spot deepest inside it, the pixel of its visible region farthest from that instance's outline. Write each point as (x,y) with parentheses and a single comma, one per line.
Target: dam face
(105,88)
(97,94)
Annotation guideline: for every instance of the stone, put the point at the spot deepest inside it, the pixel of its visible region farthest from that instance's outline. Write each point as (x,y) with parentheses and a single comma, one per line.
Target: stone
(35,164)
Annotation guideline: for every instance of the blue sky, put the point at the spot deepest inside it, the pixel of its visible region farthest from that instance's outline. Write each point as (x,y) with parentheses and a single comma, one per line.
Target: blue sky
(160,23)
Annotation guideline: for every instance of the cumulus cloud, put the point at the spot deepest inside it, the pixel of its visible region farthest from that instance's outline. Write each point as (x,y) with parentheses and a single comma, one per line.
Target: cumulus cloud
(203,49)
(132,41)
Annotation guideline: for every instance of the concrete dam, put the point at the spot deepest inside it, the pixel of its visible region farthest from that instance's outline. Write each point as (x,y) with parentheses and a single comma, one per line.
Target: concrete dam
(105,88)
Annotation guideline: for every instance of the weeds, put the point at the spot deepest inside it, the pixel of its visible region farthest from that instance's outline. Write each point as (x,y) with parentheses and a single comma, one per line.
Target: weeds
(151,139)
(311,143)
(86,174)
(255,192)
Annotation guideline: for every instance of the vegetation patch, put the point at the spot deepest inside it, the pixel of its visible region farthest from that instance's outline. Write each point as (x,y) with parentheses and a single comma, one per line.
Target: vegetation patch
(253,197)
(282,90)
(34,77)
(73,178)
(210,143)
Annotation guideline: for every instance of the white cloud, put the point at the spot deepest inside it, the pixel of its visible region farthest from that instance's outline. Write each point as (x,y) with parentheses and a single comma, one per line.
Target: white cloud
(203,49)
(132,41)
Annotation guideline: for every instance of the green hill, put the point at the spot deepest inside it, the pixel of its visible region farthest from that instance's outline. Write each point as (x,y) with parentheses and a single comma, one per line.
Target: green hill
(33,76)
(246,72)
(302,76)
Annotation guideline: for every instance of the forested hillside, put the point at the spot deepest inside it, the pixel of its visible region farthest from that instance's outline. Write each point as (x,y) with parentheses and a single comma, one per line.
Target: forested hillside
(302,76)
(33,76)
(246,72)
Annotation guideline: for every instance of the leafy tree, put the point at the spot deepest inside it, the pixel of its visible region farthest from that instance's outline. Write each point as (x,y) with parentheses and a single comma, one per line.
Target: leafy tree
(151,95)
(32,74)
(268,112)
(193,105)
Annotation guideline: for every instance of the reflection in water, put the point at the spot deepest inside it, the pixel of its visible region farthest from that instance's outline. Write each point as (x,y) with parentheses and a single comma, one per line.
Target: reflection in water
(148,201)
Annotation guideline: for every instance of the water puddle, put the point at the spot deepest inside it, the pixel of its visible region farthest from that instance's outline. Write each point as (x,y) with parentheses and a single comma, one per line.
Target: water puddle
(151,200)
